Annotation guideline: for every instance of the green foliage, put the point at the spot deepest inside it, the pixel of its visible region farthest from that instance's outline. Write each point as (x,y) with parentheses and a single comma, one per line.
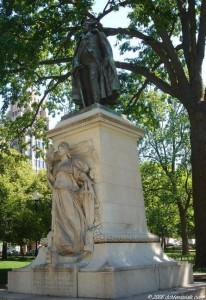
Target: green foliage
(37,43)
(165,164)
(167,39)
(165,160)
(15,177)
(18,218)
(161,211)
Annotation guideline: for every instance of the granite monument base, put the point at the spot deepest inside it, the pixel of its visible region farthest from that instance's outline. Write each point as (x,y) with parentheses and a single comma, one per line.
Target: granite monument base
(114,270)
(123,258)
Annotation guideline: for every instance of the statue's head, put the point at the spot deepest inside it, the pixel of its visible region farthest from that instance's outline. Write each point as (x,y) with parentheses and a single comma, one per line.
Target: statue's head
(88,24)
(65,146)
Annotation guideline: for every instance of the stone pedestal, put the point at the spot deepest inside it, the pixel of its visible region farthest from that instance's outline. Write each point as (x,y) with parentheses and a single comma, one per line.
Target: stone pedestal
(114,162)
(126,259)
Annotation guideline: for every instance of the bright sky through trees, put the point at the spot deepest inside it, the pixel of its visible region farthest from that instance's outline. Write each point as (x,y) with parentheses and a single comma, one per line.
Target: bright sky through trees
(119,19)
(114,19)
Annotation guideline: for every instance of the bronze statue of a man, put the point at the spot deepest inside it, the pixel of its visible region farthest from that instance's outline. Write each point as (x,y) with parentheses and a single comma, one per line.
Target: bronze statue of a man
(94,73)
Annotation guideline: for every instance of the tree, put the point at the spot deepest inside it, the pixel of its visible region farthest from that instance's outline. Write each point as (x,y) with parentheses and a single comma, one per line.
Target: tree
(161,211)
(33,218)
(18,220)
(166,150)
(44,207)
(176,69)
(15,176)
(37,41)
(37,45)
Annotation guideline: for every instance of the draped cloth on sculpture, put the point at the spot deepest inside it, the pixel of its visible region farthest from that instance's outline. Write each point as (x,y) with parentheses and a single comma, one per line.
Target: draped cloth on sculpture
(69,217)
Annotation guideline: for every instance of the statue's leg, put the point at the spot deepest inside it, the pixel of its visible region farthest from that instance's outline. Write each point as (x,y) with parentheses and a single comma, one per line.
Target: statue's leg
(94,83)
(85,85)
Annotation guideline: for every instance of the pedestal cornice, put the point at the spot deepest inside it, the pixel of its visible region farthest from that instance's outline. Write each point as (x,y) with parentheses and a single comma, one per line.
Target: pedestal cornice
(97,115)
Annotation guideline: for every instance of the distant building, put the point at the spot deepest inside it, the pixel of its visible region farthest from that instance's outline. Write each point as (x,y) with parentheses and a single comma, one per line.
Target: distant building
(37,162)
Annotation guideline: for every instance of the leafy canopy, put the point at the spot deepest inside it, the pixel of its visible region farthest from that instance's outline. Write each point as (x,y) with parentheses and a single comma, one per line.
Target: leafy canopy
(38,41)
(18,219)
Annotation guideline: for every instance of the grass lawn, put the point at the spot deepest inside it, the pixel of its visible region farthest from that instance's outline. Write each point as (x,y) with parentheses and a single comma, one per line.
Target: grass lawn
(178,256)
(11,263)
(17,262)
(190,258)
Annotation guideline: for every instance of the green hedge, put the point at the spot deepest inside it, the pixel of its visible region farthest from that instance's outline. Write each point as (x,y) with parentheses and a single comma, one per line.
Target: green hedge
(4,276)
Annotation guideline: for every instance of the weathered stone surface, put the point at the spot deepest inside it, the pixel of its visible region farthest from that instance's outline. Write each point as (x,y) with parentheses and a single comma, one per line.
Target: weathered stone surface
(44,282)
(123,259)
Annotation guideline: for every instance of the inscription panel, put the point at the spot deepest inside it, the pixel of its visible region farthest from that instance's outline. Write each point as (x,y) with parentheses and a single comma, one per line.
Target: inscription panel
(50,282)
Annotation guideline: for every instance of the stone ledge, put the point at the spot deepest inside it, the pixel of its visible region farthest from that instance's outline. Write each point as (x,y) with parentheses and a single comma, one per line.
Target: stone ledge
(95,115)
(194,291)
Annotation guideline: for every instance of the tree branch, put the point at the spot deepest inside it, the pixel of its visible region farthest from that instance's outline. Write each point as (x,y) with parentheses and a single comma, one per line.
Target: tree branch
(193,27)
(50,89)
(159,48)
(165,87)
(170,50)
(137,95)
(139,92)
(201,35)
(160,160)
(56,61)
(56,77)
(43,62)
(185,29)
(112,8)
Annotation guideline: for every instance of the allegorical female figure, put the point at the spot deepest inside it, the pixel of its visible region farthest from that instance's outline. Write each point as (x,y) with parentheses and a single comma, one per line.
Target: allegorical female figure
(72,193)
(94,73)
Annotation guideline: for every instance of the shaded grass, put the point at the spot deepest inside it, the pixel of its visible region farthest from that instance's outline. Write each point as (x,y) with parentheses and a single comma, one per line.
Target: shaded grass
(199,270)
(190,258)
(15,262)
(178,256)
(12,263)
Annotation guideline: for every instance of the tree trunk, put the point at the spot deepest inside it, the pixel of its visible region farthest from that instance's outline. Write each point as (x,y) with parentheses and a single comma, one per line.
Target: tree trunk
(184,233)
(4,250)
(163,243)
(198,146)
(21,250)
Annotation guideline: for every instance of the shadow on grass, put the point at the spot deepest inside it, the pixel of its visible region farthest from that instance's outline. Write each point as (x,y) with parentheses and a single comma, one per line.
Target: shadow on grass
(10,263)
(18,258)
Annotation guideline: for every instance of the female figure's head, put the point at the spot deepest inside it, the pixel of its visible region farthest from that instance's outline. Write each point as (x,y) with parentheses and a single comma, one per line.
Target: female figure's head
(63,150)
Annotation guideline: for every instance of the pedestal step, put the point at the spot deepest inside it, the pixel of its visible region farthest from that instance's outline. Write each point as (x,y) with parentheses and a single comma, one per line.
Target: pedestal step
(193,291)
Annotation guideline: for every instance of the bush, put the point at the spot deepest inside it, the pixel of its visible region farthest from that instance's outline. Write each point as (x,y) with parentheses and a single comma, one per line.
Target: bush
(4,276)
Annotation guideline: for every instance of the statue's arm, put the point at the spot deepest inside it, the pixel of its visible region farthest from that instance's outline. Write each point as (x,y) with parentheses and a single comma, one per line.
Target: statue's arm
(87,182)
(50,179)
(78,52)
(81,169)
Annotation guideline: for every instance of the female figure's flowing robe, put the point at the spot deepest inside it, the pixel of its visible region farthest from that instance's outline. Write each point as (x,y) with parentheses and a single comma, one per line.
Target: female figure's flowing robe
(69,220)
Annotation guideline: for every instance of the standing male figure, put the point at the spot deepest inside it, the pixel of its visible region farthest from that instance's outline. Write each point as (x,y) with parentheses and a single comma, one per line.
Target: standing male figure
(94,73)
